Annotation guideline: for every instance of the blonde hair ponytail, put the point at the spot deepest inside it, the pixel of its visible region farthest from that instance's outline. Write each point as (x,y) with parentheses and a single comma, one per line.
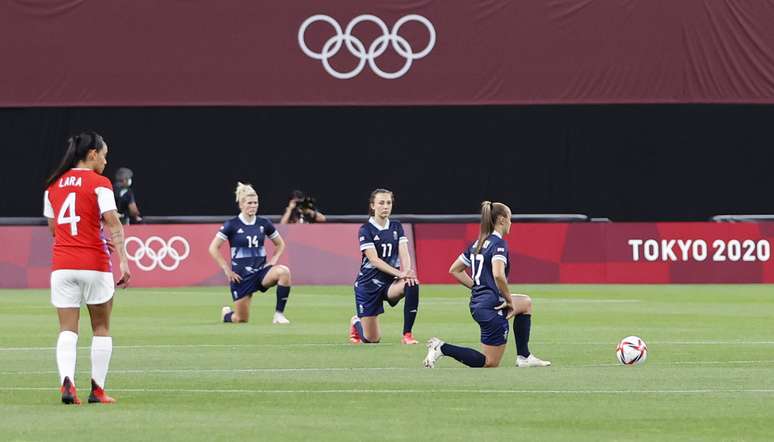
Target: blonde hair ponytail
(489,213)
(244,190)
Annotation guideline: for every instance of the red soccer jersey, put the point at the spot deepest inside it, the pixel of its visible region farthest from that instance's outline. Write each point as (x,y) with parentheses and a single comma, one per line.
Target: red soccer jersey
(76,202)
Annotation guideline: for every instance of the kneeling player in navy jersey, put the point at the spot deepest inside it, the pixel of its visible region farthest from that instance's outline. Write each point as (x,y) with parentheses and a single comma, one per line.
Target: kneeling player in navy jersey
(385,273)
(249,270)
(491,302)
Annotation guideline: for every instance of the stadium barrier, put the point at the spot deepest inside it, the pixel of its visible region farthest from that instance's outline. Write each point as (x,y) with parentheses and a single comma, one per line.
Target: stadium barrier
(603,253)
(174,255)
(177,255)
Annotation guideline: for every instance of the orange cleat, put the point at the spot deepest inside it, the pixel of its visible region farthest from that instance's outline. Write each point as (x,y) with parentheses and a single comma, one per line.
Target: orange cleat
(354,336)
(69,395)
(408,338)
(98,395)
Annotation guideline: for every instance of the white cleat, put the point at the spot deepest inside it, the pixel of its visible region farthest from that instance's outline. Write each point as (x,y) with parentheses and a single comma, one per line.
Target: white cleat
(279,318)
(433,352)
(224,311)
(531,361)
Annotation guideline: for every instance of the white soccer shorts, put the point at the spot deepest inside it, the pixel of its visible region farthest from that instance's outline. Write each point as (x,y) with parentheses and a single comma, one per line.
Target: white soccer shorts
(71,288)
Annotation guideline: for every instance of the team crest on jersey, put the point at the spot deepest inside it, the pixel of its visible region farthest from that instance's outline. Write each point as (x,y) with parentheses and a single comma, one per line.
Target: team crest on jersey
(261,229)
(486,244)
(394,235)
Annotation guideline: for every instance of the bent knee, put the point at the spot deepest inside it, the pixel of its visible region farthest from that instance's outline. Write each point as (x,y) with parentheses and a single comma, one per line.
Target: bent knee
(375,340)
(523,301)
(491,364)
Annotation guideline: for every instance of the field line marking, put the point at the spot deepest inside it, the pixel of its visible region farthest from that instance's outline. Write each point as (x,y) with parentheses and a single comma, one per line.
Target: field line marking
(343,344)
(346,369)
(412,391)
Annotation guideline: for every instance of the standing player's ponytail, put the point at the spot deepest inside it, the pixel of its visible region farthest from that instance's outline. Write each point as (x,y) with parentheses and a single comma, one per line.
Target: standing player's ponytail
(489,213)
(78,148)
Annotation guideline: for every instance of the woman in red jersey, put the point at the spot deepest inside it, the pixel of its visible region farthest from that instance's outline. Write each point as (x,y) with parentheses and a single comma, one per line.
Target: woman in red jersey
(78,199)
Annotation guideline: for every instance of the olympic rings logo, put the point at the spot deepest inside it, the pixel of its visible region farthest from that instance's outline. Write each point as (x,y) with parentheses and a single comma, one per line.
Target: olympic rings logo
(155,251)
(358,49)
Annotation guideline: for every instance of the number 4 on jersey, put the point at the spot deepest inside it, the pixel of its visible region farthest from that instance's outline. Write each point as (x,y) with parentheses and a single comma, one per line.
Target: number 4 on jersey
(67,214)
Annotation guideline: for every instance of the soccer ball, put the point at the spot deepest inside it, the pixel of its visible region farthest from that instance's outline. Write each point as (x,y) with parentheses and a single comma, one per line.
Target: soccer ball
(631,351)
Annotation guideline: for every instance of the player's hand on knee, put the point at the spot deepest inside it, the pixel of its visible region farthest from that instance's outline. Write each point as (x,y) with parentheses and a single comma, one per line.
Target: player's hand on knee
(232,277)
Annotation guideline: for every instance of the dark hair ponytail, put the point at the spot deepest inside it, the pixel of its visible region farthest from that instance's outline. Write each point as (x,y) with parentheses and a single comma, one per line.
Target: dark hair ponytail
(489,213)
(78,148)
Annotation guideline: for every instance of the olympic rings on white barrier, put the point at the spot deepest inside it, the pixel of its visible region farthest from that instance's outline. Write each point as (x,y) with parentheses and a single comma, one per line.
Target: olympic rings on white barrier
(155,250)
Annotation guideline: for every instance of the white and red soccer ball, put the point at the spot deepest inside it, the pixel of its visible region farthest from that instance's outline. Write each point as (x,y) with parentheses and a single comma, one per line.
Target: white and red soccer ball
(631,351)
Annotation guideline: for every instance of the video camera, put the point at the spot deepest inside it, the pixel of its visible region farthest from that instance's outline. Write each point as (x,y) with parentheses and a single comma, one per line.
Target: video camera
(306,203)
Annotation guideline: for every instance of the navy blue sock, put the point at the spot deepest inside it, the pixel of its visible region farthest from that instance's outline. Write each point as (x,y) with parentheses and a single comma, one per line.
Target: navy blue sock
(359,328)
(227,317)
(282,297)
(521,327)
(410,307)
(467,356)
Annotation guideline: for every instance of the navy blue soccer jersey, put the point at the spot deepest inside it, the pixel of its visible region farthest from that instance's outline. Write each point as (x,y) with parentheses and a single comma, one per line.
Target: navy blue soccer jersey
(248,255)
(485,293)
(386,241)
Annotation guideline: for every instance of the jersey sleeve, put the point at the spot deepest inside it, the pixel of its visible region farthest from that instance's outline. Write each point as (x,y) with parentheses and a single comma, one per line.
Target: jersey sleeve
(48,209)
(365,238)
(226,230)
(500,252)
(270,231)
(464,257)
(105,199)
(401,234)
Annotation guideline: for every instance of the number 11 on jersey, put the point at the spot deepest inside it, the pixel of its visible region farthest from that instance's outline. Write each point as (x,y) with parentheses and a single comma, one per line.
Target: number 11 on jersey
(386,250)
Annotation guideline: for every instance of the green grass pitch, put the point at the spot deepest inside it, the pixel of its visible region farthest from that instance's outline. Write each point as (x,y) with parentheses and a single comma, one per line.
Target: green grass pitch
(180,374)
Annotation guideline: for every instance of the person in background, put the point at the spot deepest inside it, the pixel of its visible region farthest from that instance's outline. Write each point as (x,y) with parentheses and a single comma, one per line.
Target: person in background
(301,209)
(125,201)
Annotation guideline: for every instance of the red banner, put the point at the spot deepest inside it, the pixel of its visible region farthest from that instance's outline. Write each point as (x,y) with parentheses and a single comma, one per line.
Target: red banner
(602,253)
(177,255)
(347,52)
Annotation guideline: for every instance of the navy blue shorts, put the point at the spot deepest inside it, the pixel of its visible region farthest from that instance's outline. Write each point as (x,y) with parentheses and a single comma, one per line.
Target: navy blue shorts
(249,284)
(369,299)
(494,326)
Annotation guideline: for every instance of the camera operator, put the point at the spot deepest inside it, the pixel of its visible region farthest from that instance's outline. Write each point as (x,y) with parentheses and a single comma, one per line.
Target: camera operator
(127,206)
(301,209)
